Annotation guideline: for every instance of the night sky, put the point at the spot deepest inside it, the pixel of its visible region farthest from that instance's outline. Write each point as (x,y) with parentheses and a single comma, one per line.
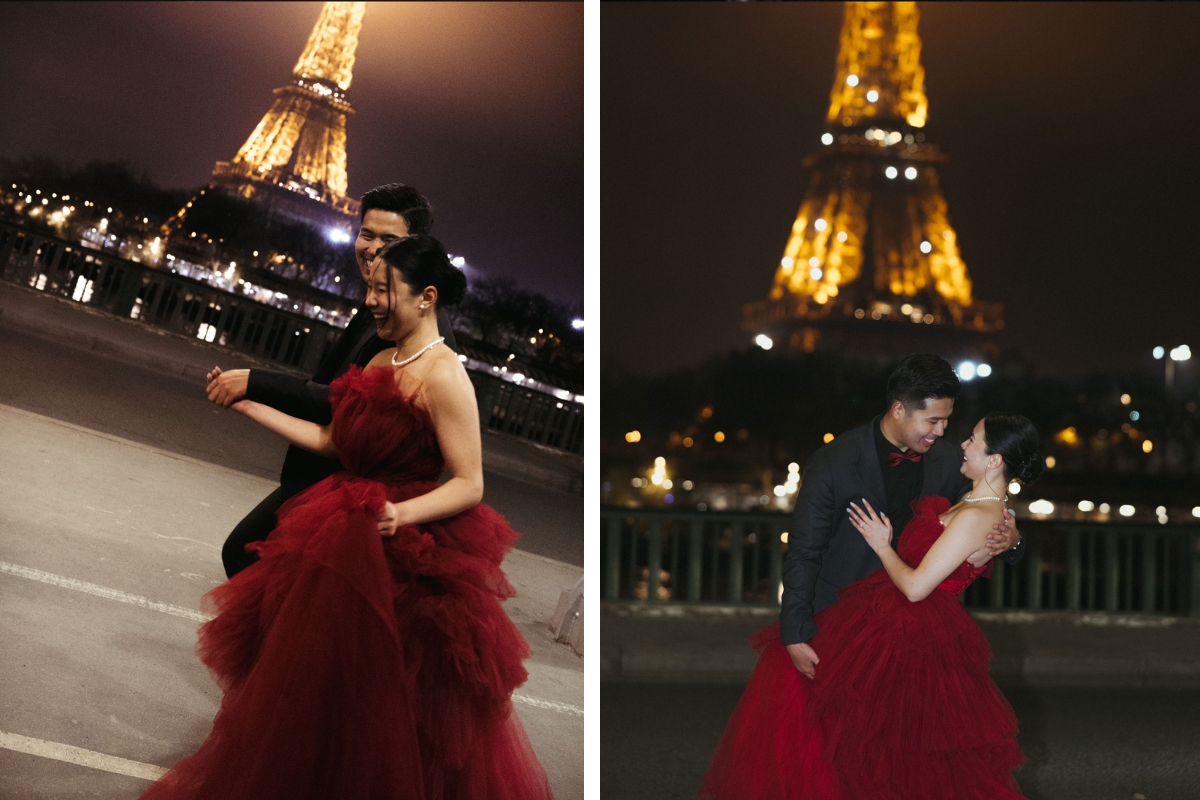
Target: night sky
(479,105)
(1073,132)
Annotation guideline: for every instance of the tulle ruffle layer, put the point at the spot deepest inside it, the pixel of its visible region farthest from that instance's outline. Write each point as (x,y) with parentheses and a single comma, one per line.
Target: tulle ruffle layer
(904,700)
(911,680)
(361,668)
(769,751)
(902,707)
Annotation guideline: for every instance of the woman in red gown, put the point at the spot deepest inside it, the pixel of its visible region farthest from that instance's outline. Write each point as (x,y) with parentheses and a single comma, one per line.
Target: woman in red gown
(366,654)
(902,706)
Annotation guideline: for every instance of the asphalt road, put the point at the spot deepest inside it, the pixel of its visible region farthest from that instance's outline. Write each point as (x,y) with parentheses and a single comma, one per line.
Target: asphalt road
(110,531)
(1081,743)
(174,414)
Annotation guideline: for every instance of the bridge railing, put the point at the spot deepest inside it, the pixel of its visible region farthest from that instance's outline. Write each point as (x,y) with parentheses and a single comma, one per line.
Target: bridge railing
(735,558)
(172,302)
(163,300)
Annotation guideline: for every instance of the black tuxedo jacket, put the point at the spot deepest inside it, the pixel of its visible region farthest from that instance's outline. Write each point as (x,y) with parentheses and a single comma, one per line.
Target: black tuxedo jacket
(825,552)
(309,399)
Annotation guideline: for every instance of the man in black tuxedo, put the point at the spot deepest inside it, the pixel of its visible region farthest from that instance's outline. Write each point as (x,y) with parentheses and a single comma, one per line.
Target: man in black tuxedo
(388,212)
(897,458)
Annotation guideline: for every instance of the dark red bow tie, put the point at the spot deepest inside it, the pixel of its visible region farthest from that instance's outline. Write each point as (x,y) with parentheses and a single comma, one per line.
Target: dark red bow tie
(896,458)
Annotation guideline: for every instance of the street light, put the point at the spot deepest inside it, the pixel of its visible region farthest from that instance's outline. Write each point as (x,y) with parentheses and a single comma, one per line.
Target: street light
(969,370)
(1180,353)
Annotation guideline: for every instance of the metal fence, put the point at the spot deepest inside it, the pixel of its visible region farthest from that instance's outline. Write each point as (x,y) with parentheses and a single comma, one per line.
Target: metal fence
(736,558)
(181,305)
(528,413)
(163,300)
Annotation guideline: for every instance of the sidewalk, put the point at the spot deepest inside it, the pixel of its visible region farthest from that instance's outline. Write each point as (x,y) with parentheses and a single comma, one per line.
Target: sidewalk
(106,546)
(708,644)
(75,325)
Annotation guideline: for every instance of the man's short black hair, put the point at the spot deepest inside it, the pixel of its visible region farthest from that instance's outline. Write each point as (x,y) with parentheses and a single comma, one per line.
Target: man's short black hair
(921,377)
(400,199)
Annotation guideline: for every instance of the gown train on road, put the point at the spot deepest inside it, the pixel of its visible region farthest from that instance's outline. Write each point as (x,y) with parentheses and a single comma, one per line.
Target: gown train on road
(902,706)
(356,667)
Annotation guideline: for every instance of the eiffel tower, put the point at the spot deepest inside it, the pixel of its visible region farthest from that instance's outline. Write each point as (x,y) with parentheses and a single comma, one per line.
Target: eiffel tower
(295,160)
(873,264)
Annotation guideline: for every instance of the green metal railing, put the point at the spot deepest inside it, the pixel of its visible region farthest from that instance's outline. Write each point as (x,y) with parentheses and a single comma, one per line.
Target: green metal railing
(736,558)
(662,555)
(1097,566)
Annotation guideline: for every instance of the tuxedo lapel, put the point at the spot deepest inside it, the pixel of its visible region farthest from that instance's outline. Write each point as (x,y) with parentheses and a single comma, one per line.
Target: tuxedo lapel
(868,468)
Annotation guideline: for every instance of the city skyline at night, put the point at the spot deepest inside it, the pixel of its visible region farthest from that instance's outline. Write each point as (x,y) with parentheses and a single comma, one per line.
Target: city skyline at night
(1067,128)
(480,107)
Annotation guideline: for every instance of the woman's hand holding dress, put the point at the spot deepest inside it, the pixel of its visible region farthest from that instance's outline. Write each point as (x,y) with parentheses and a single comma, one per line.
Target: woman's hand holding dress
(454,413)
(389,520)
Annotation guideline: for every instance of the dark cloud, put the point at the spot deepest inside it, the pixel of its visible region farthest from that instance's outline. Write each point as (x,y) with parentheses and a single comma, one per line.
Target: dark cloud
(1071,130)
(478,104)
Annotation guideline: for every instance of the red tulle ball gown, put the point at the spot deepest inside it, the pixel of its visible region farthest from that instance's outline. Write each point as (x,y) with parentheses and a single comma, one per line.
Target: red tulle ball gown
(902,706)
(360,667)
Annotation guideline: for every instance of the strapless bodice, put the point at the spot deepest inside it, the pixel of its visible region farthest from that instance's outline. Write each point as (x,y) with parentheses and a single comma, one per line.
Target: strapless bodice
(381,429)
(920,534)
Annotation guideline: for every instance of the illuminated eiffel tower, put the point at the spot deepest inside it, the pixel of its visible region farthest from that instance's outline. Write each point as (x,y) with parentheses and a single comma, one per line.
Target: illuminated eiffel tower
(295,160)
(873,263)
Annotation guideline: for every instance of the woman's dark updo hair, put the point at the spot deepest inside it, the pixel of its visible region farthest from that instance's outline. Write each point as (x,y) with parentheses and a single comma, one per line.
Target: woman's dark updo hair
(1016,440)
(422,261)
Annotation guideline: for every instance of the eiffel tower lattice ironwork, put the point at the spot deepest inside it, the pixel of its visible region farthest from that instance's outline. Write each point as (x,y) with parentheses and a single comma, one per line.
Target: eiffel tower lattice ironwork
(873,263)
(300,144)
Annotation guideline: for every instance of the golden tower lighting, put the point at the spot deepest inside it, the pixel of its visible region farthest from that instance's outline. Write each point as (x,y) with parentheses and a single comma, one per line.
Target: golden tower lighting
(873,262)
(300,144)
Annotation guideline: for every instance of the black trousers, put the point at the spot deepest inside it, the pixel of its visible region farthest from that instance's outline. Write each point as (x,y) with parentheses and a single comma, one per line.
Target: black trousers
(255,527)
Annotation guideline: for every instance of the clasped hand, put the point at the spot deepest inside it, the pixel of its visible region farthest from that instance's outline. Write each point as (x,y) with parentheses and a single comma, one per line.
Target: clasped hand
(226,388)
(875,528)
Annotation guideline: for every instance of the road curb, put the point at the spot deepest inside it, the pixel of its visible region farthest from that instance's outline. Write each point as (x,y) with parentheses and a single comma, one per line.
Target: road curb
(18,318)
(709,644)
(514,467)
(13,318)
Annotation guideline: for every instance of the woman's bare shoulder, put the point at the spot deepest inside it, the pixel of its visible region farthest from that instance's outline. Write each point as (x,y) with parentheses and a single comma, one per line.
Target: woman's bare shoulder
(445,374)
(976,516)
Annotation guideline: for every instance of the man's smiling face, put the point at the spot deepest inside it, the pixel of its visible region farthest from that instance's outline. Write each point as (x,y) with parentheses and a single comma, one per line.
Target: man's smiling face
(919,428)
(378,228)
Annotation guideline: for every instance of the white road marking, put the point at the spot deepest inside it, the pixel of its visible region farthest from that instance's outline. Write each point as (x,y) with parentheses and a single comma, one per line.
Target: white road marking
(77,755)
(186,539)
(196,616)
(550,705)
(102,591)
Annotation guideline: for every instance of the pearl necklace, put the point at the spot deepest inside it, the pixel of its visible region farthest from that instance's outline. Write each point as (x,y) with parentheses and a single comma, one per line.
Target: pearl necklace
(968,499)
(417,354)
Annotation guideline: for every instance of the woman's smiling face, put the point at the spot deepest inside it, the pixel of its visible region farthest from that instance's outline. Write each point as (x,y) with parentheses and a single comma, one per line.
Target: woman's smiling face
(975,454)
(395,306)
